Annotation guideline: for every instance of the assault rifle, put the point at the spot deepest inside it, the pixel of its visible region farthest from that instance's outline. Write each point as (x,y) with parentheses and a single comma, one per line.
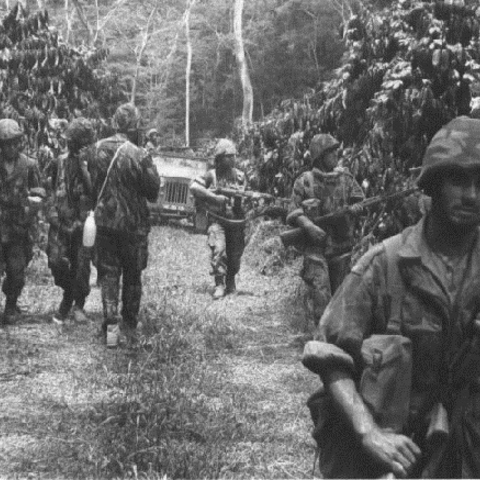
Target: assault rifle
(273,207)
(296,236)
(251,194)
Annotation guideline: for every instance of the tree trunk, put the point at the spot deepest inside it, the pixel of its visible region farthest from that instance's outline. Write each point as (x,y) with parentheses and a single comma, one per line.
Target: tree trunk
(188,72)
(139,53)
(247,111)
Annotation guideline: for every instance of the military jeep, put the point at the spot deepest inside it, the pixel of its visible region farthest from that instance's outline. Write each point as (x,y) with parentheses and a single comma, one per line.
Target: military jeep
(177,170)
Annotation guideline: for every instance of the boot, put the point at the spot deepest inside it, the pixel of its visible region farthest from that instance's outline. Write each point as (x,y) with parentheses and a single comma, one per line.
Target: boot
(79,315)
(230,284)
(219,291)
(61,314)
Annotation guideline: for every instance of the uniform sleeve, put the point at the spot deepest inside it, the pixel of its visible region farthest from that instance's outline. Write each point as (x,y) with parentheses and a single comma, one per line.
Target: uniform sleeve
(203,180)
(357,308)
(149,178)
(298,195)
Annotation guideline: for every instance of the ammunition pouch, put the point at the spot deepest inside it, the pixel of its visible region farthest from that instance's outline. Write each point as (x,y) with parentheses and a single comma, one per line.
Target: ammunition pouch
(385,387)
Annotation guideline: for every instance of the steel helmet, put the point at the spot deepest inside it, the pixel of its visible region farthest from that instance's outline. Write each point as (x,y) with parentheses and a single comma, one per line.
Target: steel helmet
(151,132)
(126,118)
(225,147)
(322,143)
(9,130)
(456,144)
(80,132)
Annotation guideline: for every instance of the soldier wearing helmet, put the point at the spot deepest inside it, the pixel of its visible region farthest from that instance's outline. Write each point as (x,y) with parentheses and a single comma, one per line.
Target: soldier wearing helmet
(226,229)
(19,177)
(68,259)
(320,191)
(152,140)
(422,284)
(124,178)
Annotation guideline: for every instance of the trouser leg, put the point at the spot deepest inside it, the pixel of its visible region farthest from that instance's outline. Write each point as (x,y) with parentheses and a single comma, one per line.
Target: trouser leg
(16,259)
(134,261)
(109,271)
(316,277)
(235,245)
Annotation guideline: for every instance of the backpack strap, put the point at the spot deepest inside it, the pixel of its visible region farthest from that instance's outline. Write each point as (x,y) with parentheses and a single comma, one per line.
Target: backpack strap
(394,284)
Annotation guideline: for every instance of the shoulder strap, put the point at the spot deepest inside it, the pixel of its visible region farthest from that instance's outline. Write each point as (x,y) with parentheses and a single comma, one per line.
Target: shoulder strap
(394,284)
(108,172)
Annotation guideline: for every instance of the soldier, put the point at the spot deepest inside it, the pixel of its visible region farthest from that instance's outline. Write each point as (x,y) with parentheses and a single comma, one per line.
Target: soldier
(421,288)
(226,230)
(322,190)
(68,259)
(152,140)
(18,178)
(123,178)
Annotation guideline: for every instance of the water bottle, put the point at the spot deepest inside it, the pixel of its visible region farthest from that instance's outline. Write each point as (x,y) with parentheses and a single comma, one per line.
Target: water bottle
(89,230)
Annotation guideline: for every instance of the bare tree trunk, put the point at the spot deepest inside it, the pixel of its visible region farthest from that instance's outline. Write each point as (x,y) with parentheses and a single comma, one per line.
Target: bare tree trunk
(188,71)
(247,111)
(139,54)
(68,21)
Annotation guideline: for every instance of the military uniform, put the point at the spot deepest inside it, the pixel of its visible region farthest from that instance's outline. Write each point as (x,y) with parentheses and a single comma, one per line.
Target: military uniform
(122,219)
(334,190)
(432,296)
(17,223)
(225,239)
(68,259)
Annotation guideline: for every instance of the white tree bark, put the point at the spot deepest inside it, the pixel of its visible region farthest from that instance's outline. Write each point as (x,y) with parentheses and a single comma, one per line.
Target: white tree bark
(139,54)
(247,111)
(188,69)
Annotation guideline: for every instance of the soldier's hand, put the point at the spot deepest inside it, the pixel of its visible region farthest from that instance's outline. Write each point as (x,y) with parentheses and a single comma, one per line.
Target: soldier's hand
(356,209)
(316,234)
(220,199)
(397,452)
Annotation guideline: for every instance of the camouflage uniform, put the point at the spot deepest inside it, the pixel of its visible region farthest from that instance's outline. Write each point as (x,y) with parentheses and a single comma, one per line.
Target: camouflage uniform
(335,190)
(17,224)
(68,259)
(226,240)
(403,286)
(122,219)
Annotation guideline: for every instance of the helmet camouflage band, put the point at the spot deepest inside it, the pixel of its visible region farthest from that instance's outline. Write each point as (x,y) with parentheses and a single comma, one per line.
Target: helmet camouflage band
(456,144)
(80,132)
(225,147)
(322,143)
(9,130)
(126,118)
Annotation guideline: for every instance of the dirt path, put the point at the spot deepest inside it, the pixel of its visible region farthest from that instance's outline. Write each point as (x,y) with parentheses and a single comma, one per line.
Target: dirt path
(51,379)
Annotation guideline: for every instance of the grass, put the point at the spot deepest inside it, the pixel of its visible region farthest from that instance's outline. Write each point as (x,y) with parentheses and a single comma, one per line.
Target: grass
(216,389)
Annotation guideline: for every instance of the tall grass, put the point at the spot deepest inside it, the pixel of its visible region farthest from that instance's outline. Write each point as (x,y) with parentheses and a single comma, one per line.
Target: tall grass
(169,419)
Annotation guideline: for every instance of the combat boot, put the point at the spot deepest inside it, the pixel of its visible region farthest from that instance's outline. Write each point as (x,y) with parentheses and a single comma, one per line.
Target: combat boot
(61,314)
(219,291)
(230,286)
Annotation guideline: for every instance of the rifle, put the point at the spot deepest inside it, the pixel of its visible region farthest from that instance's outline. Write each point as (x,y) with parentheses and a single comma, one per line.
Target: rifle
(462,369)
(296,236)
(251,194)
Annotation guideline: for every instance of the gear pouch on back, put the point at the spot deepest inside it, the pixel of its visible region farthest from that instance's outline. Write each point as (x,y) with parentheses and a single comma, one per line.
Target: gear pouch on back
(386,380)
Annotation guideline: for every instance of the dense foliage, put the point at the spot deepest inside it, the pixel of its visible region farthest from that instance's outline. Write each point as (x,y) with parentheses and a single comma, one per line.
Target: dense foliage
(410,68)
(43,80)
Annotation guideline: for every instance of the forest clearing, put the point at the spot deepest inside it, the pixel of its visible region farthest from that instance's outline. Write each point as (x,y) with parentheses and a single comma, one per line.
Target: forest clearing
(217,390)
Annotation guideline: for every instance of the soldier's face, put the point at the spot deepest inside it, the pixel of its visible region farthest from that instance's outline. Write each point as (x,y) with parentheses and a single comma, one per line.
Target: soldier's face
(11,150)
(329,161)
(459,197)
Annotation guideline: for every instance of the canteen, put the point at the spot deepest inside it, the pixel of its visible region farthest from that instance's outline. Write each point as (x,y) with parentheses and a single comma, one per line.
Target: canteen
(89,230)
